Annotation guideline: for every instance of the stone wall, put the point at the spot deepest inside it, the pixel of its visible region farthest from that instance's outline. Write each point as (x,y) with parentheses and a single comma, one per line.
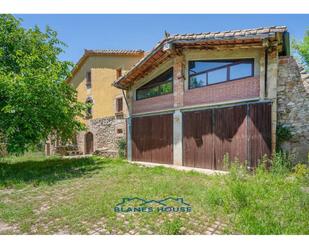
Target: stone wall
(106,133)
(293,106)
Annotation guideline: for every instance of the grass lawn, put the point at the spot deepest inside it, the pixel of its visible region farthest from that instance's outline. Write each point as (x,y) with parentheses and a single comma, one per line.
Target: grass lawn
(78,196)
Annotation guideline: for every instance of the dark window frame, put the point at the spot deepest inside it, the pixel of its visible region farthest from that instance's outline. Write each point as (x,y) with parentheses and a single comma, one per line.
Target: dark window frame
(145,87)
(89,110)
(235,62)
(88,79)
(119,99)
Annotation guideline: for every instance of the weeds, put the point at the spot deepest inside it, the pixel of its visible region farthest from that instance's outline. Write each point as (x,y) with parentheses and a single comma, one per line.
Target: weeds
(172,227)
(266,202)
(281,163)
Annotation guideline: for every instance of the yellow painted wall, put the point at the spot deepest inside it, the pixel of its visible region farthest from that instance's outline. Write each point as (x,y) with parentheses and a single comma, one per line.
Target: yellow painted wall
(103,74)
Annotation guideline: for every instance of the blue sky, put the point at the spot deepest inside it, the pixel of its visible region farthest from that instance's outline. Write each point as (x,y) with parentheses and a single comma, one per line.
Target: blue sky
(144,31)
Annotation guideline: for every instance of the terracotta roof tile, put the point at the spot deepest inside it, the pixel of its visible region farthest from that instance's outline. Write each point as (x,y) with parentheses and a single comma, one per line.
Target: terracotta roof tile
(109,52)
(114,51)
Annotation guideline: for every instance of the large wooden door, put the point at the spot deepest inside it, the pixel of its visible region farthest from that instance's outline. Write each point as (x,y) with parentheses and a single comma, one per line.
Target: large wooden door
(152,139)
(259,130)
(198,139)
(241,132)
(88,143)
(230,134)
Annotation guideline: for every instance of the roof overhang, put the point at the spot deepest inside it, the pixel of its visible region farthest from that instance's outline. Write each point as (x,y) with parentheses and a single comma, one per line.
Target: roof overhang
(174,45)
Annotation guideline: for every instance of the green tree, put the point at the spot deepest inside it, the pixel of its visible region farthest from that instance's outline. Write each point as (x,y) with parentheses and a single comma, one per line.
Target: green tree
(35,100)
(302,49)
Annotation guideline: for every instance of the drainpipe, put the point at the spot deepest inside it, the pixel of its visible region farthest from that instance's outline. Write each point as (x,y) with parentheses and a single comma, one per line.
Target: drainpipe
(125,98)
(128,128)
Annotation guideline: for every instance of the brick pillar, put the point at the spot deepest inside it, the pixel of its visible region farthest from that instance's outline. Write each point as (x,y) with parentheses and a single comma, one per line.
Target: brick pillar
(179,81)
(177,137)
(179,86)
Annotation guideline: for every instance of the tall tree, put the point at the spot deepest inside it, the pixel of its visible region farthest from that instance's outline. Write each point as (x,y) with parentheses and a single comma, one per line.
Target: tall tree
(35,100)
(302,48)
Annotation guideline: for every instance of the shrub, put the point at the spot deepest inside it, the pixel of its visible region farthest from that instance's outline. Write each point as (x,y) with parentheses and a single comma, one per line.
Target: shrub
(301,171)
(122,147)
(283,134)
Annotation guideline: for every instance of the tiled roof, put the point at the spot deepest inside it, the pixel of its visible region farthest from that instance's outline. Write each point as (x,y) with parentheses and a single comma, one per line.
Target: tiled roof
(111,52)
(256,33)
(114,51)
(230,34)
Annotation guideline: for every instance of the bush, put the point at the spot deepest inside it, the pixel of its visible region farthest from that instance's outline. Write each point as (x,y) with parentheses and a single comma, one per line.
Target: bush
(301,170)
(122,147)
(283,134)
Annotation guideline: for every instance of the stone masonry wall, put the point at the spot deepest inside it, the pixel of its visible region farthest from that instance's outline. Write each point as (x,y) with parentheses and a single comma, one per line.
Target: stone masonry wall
(293,106)
(105,135)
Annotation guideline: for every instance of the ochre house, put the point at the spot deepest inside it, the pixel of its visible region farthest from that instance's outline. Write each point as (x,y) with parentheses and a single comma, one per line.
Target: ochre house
(92,77)
(196,98)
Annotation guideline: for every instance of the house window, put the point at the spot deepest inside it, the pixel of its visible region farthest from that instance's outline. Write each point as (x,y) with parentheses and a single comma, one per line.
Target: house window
(119,131)
(88,79)
(89,103)
(119,105)
(204,73)
(118,73)
(163,84)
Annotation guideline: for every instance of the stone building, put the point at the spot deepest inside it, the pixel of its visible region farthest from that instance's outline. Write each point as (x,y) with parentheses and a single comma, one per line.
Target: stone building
(92,78)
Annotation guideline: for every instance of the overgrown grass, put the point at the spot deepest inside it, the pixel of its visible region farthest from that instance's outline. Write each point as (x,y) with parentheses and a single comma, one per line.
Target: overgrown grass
(45,196)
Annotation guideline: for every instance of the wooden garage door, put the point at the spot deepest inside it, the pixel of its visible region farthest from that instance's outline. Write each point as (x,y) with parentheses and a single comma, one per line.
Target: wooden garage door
(198,139)
(230,134)
(242,132)
(259,130)
(152,139)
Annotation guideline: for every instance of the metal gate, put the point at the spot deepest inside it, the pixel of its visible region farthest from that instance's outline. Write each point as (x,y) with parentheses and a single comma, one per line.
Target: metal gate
(152,139)
(242,132)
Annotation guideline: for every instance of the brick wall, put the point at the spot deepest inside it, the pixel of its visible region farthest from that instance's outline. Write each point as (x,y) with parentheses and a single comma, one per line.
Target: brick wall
(153,104)
(233,90)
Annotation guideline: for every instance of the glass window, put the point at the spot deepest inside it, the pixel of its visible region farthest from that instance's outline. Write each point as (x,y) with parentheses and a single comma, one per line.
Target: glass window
(203,73)
(198,80)
(119,105)
(240,71)
(166,88)
(163,84)
(88,79)
(217,76)
(201,66)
